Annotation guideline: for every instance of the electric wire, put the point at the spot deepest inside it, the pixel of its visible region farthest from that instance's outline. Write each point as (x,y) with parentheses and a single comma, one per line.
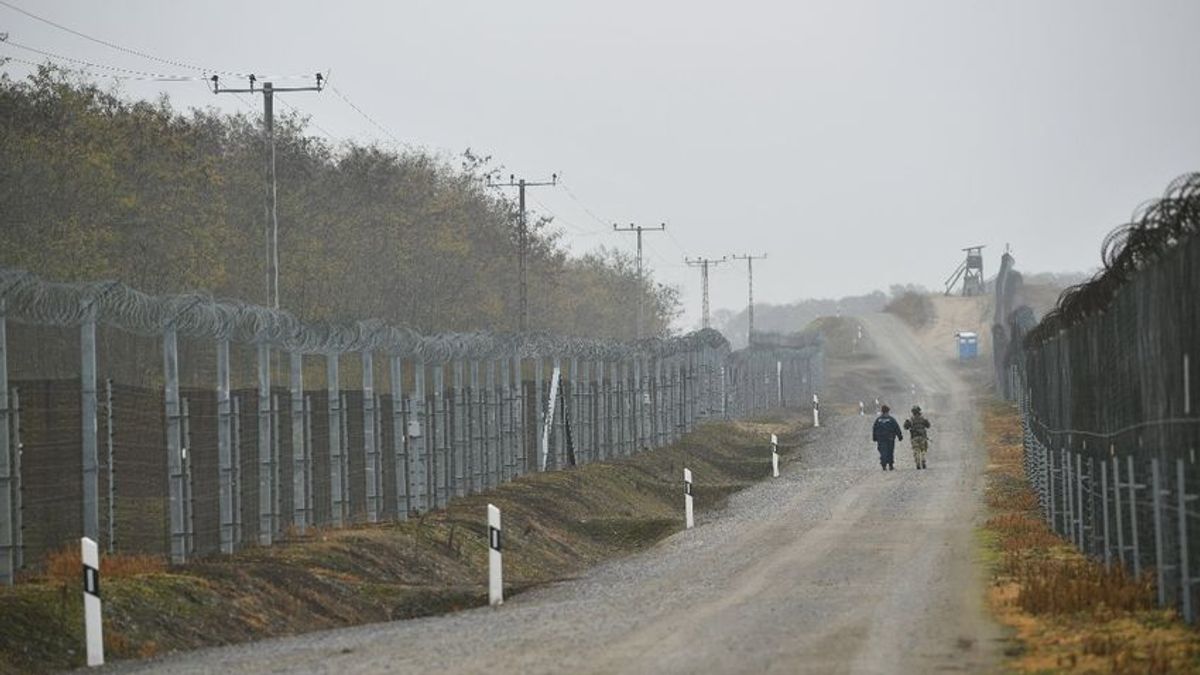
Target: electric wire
(117,47)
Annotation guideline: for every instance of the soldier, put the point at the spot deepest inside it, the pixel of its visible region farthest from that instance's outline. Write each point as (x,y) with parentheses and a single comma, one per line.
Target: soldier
(885,433)
(918,430)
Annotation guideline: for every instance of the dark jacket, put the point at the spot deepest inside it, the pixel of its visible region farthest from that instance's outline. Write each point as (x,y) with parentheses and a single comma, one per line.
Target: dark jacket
(918,425)
(886,430)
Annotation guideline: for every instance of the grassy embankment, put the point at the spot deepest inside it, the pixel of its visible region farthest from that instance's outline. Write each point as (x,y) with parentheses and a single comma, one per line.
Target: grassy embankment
(1068,613)
(556,525)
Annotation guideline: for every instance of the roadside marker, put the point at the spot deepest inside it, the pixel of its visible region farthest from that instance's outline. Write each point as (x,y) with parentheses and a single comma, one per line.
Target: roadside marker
(816,411)
(862,409)
(774,456)
(91,603)
(687,499)
(495,563)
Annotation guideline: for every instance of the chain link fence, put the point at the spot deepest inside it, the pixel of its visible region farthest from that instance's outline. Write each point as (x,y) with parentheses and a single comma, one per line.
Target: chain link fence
(1105,387)
(184,426)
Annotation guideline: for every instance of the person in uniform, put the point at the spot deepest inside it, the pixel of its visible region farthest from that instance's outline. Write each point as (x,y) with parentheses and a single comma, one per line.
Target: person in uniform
(918,430)
(885,433)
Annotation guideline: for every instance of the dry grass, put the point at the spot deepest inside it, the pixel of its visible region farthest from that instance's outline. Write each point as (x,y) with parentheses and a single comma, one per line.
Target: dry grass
(65,565)
(1069,613)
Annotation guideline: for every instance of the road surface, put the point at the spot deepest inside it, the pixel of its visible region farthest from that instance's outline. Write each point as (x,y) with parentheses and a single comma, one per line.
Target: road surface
(835,567)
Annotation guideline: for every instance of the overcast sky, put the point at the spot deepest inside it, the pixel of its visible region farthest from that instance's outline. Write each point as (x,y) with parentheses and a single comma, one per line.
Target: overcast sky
(859,143)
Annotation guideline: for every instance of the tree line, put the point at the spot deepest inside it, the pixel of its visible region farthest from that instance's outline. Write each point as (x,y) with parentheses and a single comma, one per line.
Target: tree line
(94,185)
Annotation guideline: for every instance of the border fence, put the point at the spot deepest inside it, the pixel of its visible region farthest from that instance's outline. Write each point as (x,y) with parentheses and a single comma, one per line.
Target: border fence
(184,426)
(1106,388)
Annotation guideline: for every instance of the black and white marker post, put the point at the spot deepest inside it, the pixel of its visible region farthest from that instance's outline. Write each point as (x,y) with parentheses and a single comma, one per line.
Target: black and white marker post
(495,563)
(774,456)
(816,411)
(91,603)
(687,499)
(862,409)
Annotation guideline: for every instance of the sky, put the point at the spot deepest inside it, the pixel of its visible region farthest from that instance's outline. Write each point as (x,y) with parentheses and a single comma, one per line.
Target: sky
(858,143)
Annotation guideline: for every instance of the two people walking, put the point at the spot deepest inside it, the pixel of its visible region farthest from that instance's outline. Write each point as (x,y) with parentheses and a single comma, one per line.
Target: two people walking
(886,431)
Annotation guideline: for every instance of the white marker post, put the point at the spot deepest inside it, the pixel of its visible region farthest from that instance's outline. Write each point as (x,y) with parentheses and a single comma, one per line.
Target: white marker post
(862,409)
(91,603)
(550,416)
(495,562)
(774,456)
(687,499)
(816,411)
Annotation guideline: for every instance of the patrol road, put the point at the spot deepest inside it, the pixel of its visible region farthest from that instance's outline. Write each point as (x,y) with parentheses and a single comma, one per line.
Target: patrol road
(836,567)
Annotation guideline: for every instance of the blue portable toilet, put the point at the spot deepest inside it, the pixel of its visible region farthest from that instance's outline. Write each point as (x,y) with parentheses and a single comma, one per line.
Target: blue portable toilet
(968,345)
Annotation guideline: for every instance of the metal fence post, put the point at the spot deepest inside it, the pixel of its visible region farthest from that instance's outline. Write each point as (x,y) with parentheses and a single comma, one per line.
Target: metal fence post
(458,432)
(236,483)
(399,435)
(347,490)
(1079,516)
(1104,504)
(299,482)
(189,505)
(1133,523)
(311,516)
(519,457)
(266,499)
(507,448)
(1185,573)
(224,449)
(88,424)
(174,446)
(1159,561)
(476,454)
(370,447)
(441,472)
(491,427)
(1116,469)
(418,437)
(333,388)
(7,558)
(111,468)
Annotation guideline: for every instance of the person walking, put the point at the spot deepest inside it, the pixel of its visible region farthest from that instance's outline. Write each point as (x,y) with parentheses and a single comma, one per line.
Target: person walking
(885,433)
(918,430)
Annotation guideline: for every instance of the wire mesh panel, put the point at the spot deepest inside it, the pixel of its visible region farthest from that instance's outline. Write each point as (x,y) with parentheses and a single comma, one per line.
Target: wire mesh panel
(182,426)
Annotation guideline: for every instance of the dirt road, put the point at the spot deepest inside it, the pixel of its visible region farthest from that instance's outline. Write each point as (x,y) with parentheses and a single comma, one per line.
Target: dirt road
(836,567)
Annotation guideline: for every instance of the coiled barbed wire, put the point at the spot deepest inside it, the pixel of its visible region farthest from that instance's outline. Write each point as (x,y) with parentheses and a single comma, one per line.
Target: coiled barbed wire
(29,299)
(1157,226)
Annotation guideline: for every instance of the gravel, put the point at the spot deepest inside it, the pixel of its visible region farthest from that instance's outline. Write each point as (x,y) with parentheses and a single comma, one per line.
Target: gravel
(835,566)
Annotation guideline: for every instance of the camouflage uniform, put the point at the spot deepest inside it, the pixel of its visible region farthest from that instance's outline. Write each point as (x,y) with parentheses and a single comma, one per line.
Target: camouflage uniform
(918,428)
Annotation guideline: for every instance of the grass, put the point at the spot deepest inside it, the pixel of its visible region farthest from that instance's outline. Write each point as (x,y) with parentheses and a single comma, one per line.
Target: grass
(1069,613)
(557,524)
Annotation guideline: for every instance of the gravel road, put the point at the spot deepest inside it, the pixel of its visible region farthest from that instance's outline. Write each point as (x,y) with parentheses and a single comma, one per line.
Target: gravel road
(835,567)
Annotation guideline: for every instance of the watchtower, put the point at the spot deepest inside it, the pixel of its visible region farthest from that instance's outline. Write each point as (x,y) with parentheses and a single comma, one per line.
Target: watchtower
(971,273)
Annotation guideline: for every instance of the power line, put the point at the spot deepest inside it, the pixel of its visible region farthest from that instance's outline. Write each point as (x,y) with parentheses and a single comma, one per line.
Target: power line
(113,45)
(144,74)
(94,75)
(367,117)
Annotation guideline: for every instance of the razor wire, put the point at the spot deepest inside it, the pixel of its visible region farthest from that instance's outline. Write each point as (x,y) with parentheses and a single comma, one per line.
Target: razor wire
(198,315)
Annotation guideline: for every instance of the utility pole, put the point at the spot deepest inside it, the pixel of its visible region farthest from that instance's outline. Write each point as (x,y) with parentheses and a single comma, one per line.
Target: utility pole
(703,264)
(271,231)
(750,307)
(523,239)
(641,278)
